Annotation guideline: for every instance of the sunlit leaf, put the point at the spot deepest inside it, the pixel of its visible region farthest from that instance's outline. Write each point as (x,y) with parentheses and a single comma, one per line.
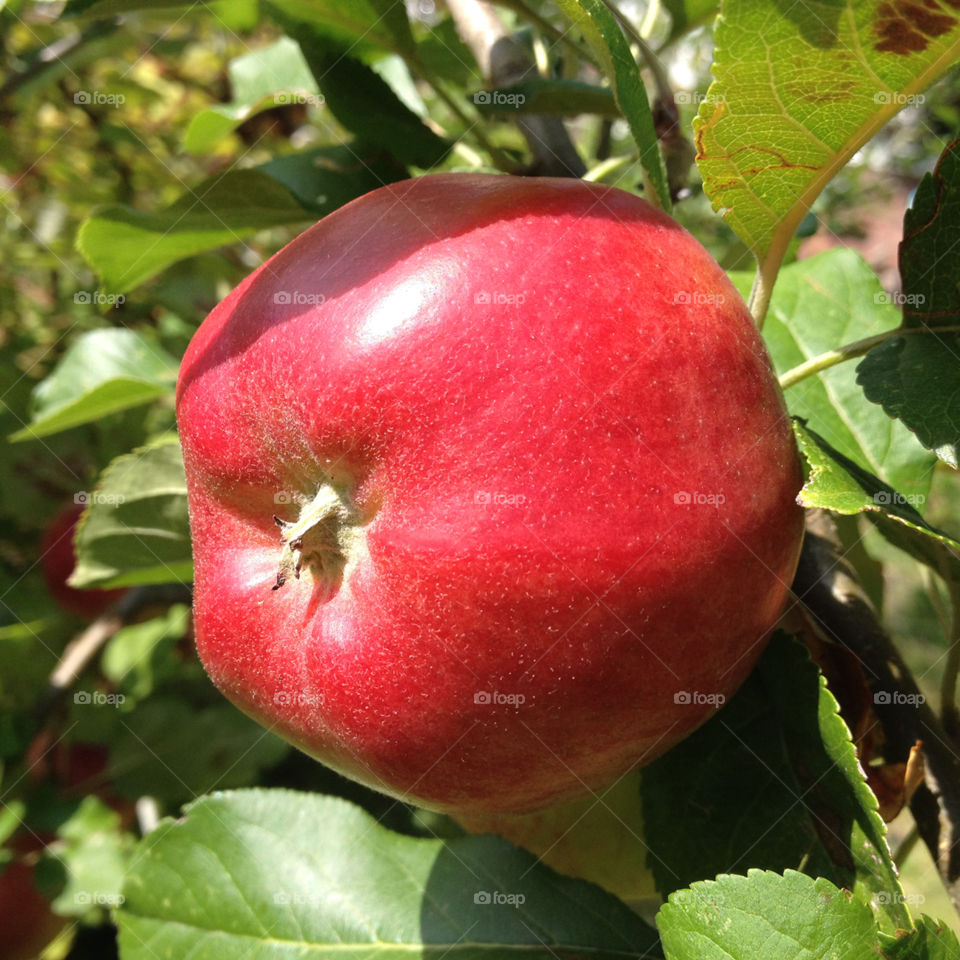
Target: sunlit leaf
(798,90)
(127,246)
(103,372)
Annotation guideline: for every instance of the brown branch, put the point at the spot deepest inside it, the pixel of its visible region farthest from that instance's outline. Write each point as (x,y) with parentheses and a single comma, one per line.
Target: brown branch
(948,687)
(56,53)
(90,641)
(828,590)
(504,62)
(104,145)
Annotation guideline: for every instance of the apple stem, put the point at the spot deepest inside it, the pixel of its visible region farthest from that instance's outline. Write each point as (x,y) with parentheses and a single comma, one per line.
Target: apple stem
(851,351)
(760,293)
(328,505)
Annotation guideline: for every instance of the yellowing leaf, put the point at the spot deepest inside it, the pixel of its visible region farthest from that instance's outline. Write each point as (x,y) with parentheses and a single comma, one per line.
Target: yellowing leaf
(798,89)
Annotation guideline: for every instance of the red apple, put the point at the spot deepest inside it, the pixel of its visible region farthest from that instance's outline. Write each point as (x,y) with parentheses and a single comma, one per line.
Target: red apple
(78,766)
(535,486)
(57,561)
(27,924)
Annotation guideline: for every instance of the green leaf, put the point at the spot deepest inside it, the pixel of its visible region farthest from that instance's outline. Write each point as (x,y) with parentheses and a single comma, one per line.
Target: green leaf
(273,873)
(772,782)
(234,14)
(239,16)
(357,24)
(837,483)
(363,102)
(265,78)
(104,8)
(11,818)
(685,15)
(931,231)
(606,39)
(174,751)
(915,377)
(831,299)
(103,372)
(930,941)
(28,652)
(555,97)
(136,529)
(444,54)
(789,917)
(326,178)
(127,246)
(797,92)
(937,550)
(94,851)
(139,656)
(394,71)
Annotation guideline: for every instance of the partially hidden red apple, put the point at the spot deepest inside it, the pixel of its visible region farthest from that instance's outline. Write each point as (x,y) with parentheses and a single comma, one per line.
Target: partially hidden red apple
(27,923)
(534,487)
(57,560)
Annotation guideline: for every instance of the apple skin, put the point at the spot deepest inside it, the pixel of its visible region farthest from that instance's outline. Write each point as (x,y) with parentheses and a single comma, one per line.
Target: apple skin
(570,477)
(27,924)
(57,560)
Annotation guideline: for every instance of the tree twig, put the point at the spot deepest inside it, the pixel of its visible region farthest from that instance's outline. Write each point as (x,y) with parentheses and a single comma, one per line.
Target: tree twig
(55,53)
(104,144)
(504,63)
(850,351)
(905,846)
(948,688)
(475,129)
(546,27)
(88,643)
